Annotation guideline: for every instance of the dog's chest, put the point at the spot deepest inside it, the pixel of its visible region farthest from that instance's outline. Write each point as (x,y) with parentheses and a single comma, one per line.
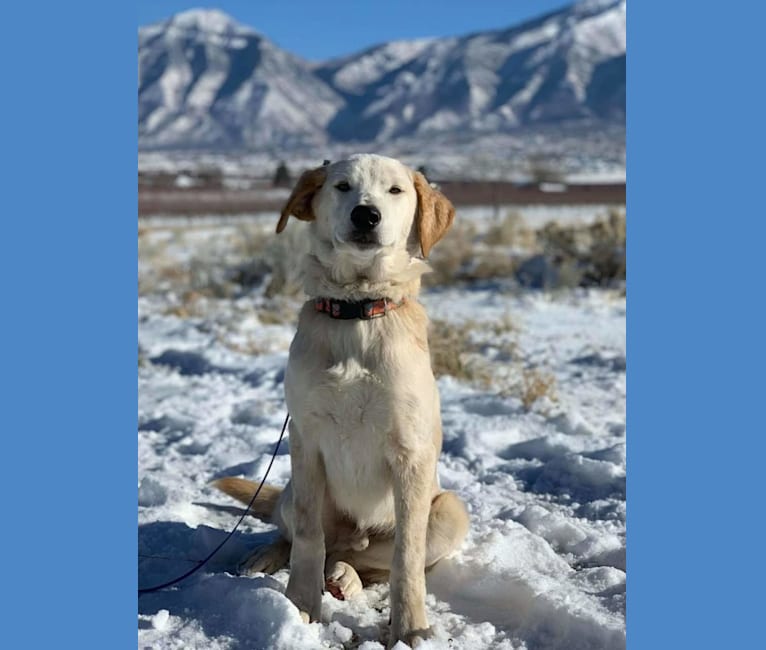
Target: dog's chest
(352,396)
(353,441)
(347,380)
(351,407)
(348,403)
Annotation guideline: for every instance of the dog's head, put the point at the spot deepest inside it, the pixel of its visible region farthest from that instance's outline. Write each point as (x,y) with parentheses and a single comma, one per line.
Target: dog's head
(370,204)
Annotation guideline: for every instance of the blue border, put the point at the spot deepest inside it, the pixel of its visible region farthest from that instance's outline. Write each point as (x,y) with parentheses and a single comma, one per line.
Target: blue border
(695,332)
(695,325)
(69,324)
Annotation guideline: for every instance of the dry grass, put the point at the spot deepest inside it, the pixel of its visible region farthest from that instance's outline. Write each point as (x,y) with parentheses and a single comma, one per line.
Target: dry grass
(535,385)
(238,260)
(575,254)
(460,351)
(466,254)
(491,264)
(512,231)
(587,255)
(451,346)
(248,347)
(452,255)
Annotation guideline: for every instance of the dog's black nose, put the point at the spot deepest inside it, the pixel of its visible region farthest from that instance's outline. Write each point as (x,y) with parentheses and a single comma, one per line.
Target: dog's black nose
(365,217)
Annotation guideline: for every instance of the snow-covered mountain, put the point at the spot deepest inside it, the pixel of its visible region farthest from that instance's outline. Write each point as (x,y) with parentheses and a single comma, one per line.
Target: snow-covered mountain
(206,81)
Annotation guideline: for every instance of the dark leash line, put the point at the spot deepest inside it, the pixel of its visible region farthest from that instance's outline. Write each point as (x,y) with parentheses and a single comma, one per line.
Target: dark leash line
(201,563)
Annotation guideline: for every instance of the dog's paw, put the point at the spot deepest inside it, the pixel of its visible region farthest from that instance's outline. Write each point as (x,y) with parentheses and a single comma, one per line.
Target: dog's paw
(343,581)
(413,638)
(309,606)
(265,559)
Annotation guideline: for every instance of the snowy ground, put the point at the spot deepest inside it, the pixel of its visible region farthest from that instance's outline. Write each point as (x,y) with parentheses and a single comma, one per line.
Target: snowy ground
(494,157)
(544,564)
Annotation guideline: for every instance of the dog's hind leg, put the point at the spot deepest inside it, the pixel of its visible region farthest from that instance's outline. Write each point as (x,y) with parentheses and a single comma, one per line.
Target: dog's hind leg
(266,559)
(447,527)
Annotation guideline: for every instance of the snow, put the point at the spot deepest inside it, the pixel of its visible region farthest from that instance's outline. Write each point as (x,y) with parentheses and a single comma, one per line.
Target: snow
(543,566)
(599,157)
(604,33)
(212,21)
(279,100)
(173,82)
(533,37)
(353,74)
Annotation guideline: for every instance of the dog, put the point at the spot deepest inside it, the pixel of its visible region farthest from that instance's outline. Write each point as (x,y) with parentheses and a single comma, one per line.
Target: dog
(363,503)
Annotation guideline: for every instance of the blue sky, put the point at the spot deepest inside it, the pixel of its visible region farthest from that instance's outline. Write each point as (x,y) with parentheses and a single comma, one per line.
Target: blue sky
(323,29)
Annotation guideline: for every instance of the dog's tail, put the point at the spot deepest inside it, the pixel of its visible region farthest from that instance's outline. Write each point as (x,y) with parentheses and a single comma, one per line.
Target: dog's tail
(243,490)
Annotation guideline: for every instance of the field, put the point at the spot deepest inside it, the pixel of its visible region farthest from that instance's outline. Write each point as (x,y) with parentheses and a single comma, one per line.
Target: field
(195,194)
(528,344)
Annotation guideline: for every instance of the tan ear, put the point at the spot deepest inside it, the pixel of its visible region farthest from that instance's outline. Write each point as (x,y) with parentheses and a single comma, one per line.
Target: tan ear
(435,213)
(299,203)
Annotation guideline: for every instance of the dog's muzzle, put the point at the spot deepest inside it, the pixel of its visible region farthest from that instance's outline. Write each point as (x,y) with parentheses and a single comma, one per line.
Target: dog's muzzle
(365,217)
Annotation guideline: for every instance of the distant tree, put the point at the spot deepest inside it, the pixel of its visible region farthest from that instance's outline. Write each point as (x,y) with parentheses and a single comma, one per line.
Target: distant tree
(282,176)
(543,171)
(208,176)
(422,170)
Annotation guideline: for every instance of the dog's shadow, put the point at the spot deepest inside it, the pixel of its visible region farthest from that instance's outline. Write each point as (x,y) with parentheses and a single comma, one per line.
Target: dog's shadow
(248,609)
(167,549)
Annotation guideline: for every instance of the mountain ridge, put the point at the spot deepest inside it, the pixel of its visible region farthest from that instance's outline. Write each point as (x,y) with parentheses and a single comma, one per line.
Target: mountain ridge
(209,82)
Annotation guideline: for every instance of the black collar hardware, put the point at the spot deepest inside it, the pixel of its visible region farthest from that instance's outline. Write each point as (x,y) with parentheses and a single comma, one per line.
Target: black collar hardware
(362,310)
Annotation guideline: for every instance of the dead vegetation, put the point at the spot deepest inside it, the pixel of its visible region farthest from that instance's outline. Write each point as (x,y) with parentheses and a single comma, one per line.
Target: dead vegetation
(589,255)
(486,355)
(248,257)
(552,257)
(452,257)
(454,352)
(536,385)
(544,170)
(512,231)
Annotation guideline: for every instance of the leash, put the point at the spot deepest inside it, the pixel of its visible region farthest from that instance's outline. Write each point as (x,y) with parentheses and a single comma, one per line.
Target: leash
(201,563)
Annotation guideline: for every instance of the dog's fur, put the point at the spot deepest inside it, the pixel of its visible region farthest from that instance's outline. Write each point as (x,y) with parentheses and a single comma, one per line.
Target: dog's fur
(364,498)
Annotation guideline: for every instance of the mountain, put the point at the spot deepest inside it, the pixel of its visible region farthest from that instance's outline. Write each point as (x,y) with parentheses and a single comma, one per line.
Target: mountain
(565,66)
(206,81)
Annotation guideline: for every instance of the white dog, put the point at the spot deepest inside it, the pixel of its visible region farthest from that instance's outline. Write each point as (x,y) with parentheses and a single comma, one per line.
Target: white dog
(364,498)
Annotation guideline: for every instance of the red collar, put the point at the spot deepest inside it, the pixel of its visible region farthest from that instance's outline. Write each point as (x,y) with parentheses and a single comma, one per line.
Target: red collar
(363,310)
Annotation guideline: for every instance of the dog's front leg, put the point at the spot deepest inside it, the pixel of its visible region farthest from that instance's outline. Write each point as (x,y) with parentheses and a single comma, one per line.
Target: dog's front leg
(413,479)
(307,556)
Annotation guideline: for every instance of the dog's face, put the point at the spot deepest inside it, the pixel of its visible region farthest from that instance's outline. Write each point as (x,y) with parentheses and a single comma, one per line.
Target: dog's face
(366,202)
(369,203)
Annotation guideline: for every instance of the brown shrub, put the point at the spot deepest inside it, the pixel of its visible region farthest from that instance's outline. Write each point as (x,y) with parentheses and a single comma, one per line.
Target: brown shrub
(452,254)
(458,349)
(587,255)
(511,231)
(535,385)
(449,344)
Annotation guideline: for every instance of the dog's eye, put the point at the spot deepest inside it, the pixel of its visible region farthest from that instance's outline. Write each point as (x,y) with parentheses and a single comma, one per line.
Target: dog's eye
(343,186)
(395,190)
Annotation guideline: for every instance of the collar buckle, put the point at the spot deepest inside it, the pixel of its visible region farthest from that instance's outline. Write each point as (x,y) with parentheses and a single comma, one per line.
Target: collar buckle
(362,310)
